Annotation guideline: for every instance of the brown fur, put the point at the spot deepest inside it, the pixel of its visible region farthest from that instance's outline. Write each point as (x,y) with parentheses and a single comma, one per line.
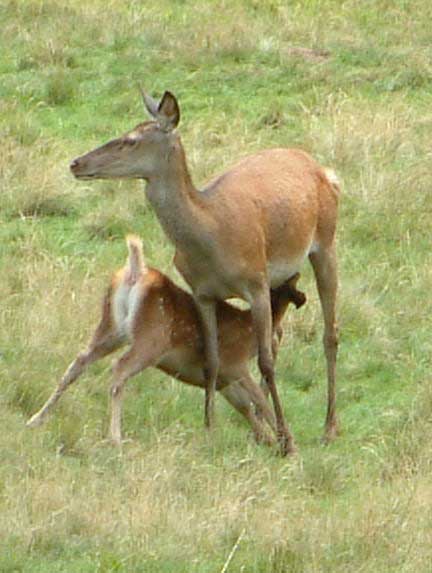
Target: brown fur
(248,231)
(165,332)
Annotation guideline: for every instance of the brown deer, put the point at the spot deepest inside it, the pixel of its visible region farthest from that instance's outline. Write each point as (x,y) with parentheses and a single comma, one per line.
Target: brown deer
(160,322)
(247,231)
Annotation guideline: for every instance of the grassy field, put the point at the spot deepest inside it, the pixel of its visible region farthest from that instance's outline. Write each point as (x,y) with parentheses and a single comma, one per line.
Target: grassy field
(350,82)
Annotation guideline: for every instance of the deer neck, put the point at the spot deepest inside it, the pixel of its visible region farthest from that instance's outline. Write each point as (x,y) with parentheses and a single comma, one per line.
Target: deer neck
(175,199)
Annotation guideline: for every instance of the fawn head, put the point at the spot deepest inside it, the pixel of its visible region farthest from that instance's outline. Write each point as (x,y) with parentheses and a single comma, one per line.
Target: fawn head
(138,154)
(288,292)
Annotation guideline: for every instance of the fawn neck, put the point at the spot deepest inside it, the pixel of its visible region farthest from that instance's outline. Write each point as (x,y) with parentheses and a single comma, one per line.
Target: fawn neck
(279,303)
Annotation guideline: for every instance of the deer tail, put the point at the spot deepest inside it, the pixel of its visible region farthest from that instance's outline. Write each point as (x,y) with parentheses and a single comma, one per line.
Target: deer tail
(136,262)
(333,179)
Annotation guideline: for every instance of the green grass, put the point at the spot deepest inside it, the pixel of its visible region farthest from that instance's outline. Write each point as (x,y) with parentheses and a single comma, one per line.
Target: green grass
(349,82)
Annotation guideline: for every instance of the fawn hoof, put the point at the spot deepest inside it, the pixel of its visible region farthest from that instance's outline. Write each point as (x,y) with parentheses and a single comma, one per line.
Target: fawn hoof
(118,441)
(34,421)
(264,439)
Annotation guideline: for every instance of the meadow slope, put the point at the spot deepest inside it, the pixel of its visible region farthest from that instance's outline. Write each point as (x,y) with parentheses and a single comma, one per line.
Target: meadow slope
(351,83)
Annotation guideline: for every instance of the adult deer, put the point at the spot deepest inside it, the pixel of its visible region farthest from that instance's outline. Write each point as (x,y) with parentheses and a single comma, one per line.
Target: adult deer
(159,321)
(247,231)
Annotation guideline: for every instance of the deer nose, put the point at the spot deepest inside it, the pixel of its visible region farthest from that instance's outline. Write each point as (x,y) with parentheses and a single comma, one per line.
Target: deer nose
(73,165)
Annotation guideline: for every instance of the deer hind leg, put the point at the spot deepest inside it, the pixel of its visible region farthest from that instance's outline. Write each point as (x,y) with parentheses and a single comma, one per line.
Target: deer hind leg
(325,268)
(261,315)
(97,349)
(207,310)
(238,394)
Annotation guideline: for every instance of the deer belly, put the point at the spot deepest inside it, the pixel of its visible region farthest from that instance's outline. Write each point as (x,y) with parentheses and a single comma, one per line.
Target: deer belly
(280,271)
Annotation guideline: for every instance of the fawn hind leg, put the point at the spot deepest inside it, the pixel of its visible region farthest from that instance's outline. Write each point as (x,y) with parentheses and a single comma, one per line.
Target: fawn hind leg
(238,394)
(135,360)
(97,349)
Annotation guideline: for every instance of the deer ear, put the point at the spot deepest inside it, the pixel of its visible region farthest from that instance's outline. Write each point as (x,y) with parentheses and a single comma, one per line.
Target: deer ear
(168,113)
(150,104)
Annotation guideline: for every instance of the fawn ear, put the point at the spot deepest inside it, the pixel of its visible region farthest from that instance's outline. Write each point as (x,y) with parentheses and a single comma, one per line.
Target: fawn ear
(168,113)
(150,104)
(296,296)
(294,280)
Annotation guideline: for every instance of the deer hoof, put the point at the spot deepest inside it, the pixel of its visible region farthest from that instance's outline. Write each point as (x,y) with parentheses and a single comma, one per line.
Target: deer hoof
(286,446)
(330,434)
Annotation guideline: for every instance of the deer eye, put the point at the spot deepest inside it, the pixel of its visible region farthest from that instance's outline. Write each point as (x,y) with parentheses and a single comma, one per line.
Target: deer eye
(130,142)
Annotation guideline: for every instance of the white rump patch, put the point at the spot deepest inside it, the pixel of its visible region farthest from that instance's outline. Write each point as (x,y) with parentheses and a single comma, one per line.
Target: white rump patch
(331,176)
(125,306)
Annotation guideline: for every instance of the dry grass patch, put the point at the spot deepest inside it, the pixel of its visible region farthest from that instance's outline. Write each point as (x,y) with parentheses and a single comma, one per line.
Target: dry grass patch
(168,500)
(34,180)
(358,137)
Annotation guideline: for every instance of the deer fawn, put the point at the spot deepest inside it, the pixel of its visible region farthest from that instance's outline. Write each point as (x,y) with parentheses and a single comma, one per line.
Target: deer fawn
(144,308)
(247,231)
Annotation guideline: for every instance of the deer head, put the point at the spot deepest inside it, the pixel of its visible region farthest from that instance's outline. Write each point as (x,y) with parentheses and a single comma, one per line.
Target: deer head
(138,154)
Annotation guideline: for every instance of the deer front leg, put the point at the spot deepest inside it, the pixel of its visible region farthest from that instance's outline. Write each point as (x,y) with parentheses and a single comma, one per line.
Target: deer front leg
(261,315)
(207,310)
(94,352)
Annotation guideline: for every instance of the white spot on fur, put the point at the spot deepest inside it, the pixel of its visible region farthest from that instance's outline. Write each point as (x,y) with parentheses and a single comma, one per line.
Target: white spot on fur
(133,135)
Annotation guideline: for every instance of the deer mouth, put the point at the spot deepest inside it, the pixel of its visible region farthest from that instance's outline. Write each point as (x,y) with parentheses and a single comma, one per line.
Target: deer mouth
(78,169)
(85,176)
